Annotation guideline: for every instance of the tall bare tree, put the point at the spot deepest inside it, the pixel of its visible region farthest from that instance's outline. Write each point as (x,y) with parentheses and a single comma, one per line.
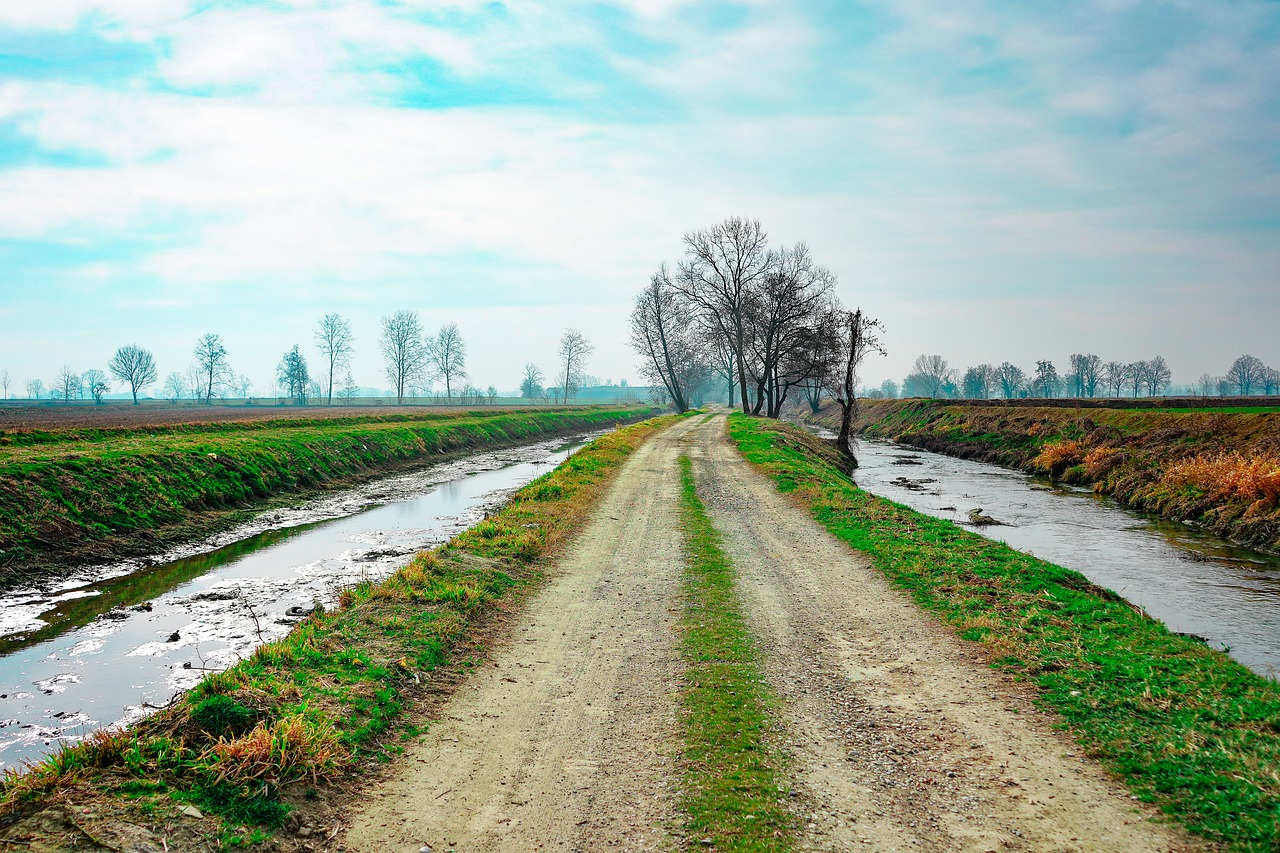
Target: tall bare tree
(722,268)
(404,349)
(68,385)
(1114,375)
(574,351)
(447,356)
(1011,378)
(336,342)
(978,382)
(930,374)
(1137,376)
(5,381)
(1270,381)
(786,307)
(669,347)
(1086,372)
(1246,374)
(1157,376)
(35,389)
(135,366)
(1045,383)
(211,362)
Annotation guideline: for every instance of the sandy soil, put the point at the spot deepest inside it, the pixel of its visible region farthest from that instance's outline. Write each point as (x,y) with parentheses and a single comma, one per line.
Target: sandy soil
(900,738)
(569,739)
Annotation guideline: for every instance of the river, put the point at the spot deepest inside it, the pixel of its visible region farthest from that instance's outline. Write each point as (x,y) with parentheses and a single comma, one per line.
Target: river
(112,643)
(1193,581)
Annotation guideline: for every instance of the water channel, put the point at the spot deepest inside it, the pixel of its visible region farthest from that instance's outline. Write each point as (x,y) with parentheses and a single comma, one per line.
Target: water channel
(1193,581)
(108,646)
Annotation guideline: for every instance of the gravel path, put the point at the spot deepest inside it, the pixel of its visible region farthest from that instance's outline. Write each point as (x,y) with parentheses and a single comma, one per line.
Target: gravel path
(568,740)
(899,738)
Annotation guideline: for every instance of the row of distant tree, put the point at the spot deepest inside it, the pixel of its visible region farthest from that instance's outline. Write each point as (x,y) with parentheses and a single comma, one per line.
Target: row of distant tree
(414,362)
(1087,376)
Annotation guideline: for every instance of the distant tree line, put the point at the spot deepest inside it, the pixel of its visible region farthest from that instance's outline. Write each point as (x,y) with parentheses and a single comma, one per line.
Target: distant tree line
(1087,376)
(763,320)
(414,361)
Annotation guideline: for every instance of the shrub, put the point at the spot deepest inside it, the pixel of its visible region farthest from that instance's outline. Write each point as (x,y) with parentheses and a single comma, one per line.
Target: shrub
(1058,457)
(1229,475)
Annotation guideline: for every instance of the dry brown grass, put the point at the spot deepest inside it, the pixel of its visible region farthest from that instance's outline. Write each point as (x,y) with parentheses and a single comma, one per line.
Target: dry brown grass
(285,750)
(1230,475)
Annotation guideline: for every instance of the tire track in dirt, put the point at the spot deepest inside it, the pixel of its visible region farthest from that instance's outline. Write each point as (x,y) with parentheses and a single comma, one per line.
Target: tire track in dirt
(569,739)
(900,738)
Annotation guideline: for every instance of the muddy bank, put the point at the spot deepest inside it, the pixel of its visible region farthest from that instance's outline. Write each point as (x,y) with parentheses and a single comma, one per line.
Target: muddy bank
(85,501)
(1218,470)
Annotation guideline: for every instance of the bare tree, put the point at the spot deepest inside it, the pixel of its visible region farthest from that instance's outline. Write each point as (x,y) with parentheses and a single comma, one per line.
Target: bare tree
(1011,379)
(979,382)
(787,304)
(1207,384)
(929,375)
(531,384)
(1045,383)
(349,389)
(1114,375)
(211,362)
(335,340)
(670,348)
(859,335)
(722,268)
(1137,374)
(5,381)
(1270,380)
(133,365)
(68,385)
(96,384)
(447,356)
(1246,374)
(35,389)
(1086,371)
(404,350)
(574,351)
(1157,376)
(175,387)
(293,376)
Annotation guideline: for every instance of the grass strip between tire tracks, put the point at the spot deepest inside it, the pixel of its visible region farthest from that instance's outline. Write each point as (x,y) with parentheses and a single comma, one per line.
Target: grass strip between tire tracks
(732,783)
(303,709)
(1185,726)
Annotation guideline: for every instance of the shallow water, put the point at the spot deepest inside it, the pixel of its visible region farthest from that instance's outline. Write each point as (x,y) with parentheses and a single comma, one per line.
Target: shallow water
(110,645)
(1192,580)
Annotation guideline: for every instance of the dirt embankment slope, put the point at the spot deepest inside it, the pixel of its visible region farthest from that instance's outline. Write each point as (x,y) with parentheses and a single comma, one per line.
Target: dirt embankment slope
(1218,469)
(899,738)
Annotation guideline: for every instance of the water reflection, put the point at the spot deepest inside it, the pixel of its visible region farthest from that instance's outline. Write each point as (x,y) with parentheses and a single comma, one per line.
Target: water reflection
(107,651)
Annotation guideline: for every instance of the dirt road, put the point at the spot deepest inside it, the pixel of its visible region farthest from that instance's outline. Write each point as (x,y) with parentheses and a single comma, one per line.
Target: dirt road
(899,739)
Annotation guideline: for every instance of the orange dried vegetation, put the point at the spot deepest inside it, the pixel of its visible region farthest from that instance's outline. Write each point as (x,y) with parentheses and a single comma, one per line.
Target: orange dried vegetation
(1059,456)
(1229,475)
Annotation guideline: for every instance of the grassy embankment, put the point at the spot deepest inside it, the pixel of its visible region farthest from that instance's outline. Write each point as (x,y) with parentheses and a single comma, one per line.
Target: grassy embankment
(84,495)
(1184,725)
(309,707)
(733,775)
(1220,469)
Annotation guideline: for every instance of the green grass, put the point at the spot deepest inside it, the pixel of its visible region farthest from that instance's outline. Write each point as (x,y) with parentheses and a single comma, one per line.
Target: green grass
(1185,726)
(733,782)
(86,495)
(309,706)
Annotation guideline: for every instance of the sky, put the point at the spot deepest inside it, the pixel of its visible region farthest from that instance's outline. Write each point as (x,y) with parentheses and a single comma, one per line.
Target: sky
(993,180)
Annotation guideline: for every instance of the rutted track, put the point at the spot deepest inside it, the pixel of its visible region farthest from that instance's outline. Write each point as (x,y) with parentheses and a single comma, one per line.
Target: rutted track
(899,738)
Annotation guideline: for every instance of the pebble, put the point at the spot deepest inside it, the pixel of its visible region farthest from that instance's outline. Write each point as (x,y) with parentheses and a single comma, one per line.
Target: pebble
(191,811)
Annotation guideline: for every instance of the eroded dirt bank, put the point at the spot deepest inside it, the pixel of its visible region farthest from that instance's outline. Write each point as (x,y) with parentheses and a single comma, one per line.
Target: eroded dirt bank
(899,738)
